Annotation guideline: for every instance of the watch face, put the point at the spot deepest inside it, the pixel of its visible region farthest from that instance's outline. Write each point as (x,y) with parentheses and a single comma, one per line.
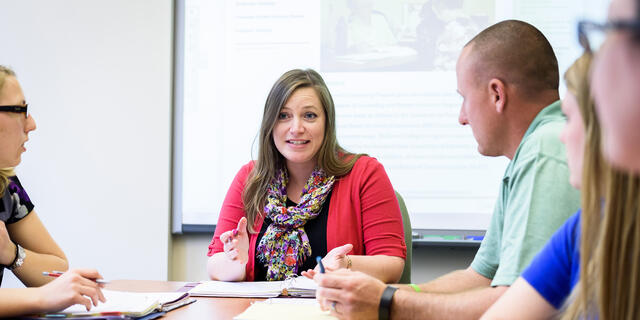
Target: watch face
(20,259)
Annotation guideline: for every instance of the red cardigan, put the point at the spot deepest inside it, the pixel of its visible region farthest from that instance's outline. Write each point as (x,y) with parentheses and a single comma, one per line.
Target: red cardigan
(363,211)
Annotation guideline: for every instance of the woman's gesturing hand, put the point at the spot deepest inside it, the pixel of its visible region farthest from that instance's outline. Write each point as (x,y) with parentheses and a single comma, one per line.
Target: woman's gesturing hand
(236,242)
(334,260)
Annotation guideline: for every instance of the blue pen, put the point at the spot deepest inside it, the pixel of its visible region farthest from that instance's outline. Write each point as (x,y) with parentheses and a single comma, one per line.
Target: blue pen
(319,259)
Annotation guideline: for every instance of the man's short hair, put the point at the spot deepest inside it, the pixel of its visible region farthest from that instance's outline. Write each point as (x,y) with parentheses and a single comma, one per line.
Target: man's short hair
(516,53)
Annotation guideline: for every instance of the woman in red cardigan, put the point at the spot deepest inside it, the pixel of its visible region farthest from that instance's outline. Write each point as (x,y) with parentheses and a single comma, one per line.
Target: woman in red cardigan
(305,196)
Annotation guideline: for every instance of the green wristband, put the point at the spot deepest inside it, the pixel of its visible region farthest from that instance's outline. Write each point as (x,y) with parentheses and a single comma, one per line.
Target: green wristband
(415,287)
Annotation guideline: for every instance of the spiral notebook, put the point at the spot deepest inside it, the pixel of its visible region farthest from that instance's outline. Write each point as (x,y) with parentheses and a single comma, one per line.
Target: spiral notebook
(124,305)
(294,287)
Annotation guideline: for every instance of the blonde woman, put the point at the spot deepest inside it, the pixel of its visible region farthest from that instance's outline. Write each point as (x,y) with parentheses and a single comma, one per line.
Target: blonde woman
(26,248)
(586,269)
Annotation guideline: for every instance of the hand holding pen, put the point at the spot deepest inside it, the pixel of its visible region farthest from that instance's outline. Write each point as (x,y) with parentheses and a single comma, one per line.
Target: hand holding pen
(77,286)
(236,242)
(57,274)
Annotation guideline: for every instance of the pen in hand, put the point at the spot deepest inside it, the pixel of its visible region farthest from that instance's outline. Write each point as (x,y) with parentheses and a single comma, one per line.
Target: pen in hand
(56,274)
(319,260)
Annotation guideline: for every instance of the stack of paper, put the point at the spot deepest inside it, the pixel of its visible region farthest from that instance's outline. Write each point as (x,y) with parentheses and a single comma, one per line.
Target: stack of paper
(300,287)
(281,309)
(297,287)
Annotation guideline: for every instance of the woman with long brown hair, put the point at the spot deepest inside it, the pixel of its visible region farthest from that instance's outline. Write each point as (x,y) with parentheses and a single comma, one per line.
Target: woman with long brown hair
(305,196)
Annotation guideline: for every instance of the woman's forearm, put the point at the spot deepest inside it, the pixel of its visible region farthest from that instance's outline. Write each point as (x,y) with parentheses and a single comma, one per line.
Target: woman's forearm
(386,268)
(42,252)
(30,273)
(219,267)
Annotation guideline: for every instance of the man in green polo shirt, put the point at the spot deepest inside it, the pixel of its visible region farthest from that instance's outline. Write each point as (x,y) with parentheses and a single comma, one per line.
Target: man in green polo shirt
(508,79)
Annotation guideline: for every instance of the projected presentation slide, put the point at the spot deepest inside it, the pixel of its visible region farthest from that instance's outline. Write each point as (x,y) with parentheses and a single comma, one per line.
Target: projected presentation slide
(390,66)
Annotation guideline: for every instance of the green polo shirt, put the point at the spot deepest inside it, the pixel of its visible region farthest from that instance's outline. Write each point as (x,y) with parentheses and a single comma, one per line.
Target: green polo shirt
(535,199)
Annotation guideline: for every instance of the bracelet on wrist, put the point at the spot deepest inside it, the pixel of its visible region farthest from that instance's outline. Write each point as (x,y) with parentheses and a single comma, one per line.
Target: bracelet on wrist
(348,261)
(19,260)
(384,311)
(415,287)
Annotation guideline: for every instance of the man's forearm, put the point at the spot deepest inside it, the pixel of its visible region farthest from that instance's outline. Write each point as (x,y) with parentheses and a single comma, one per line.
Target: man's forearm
(426,305)
(456,281)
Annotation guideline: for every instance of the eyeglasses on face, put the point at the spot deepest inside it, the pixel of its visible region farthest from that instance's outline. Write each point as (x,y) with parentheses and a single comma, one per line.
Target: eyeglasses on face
(16,109)
(591,34)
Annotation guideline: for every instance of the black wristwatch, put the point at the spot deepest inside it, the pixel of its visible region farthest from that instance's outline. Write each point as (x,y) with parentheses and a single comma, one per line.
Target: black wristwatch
(384,312)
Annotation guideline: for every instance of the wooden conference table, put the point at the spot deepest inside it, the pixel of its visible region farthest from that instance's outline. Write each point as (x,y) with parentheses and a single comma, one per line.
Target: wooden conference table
(203,308)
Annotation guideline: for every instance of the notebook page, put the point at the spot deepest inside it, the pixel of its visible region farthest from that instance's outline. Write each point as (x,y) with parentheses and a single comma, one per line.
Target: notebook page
(285,308)
(238,289)
(167,297)
(118,301)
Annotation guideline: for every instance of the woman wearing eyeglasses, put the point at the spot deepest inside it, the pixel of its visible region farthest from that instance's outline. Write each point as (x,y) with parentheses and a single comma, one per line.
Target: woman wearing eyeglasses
(590,267)
(616,84)
(26,248)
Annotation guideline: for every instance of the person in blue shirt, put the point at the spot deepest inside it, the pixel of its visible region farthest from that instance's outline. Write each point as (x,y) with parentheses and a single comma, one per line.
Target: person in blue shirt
(556,282)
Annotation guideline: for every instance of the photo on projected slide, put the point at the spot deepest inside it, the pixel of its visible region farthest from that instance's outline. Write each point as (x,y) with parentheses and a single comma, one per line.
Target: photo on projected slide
(407,35)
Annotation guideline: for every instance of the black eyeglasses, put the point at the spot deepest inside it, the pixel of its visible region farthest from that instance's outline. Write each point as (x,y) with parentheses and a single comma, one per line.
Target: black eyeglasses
(591,35)
(16,109)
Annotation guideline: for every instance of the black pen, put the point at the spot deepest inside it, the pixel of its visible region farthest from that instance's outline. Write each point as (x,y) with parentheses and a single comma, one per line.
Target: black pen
(319,259)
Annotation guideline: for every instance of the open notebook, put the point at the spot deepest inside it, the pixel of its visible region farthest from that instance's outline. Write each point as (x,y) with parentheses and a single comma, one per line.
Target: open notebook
(296,287)
(126,304)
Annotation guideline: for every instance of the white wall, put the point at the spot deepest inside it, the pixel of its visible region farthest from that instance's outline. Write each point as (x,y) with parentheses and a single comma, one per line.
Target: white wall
(97,77)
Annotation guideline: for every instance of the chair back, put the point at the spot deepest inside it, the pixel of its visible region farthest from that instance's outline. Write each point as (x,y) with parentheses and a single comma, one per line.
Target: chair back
(406,221)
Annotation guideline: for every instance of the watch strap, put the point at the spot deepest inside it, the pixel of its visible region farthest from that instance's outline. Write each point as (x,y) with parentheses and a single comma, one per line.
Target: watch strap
(14,258)
(384,311)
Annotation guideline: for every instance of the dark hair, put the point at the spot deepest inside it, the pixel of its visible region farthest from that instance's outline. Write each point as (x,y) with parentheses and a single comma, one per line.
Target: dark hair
(332,158)
(637,33)
(517,53)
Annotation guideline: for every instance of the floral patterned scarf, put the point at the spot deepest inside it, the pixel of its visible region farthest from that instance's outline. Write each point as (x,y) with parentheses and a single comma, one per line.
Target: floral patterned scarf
(285,244)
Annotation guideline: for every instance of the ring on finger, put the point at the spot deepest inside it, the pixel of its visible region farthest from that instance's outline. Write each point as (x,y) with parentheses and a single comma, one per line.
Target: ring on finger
(333,306)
